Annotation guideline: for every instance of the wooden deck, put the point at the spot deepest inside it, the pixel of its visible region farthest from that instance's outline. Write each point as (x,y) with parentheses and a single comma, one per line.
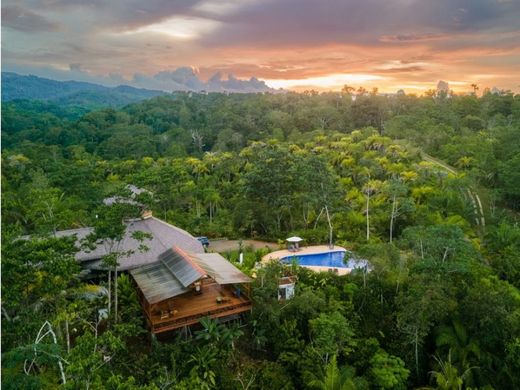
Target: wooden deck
(189,308)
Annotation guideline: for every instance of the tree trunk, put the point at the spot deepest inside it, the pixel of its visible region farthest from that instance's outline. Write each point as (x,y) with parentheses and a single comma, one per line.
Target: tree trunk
(416,342)
(368,216)
(392,217)
(7,316)
(39,338)
(305,213)
(67,335)
(109,290)
(330,226)
(318,218)
(115,295)
(445,255)
(399,275)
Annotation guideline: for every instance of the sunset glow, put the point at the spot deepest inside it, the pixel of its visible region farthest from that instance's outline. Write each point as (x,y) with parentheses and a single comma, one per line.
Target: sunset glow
(291,44)
(328,82)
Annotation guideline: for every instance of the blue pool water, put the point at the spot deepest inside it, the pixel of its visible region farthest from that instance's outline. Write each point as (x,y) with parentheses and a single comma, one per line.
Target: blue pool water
(327,259)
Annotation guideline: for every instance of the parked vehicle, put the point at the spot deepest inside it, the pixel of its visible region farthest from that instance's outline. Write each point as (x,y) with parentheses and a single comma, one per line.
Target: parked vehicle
(204,241)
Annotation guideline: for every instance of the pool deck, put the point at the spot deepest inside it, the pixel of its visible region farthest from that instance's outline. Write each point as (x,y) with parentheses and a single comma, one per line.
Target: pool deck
(309,251)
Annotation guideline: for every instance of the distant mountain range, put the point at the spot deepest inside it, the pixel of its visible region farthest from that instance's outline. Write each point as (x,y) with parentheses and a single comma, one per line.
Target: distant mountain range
(15,86)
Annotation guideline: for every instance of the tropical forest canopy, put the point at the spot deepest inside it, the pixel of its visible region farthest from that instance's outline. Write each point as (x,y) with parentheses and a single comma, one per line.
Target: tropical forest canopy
(426,188)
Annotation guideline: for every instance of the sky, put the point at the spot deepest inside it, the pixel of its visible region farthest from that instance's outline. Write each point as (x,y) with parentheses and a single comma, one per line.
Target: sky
(290,44)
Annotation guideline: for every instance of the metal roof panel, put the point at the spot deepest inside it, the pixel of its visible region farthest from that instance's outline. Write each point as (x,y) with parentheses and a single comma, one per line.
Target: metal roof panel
(219,268)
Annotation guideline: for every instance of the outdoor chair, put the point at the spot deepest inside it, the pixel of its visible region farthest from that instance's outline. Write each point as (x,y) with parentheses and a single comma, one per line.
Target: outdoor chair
(164,314)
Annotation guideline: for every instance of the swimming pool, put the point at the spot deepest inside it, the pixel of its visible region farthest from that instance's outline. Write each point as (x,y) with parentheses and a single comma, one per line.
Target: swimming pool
(332,259)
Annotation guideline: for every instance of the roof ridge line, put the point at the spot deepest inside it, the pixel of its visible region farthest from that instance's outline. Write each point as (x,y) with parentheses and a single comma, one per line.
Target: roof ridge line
(169,224)
(190,260)
(154,235)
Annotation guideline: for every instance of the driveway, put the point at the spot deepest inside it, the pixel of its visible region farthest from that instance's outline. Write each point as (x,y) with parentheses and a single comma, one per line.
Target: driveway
(230,245)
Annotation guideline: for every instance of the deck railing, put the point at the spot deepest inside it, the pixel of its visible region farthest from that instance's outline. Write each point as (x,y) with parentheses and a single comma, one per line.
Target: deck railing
(189,320)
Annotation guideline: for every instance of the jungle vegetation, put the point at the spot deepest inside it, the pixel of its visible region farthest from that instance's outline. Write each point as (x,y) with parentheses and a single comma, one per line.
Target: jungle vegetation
(399,176)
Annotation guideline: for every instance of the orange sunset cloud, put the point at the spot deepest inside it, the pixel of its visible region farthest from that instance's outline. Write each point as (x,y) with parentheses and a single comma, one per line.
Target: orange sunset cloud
(304,44)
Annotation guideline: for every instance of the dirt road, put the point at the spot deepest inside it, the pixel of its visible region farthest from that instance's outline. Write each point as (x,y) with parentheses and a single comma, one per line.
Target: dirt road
(230,245)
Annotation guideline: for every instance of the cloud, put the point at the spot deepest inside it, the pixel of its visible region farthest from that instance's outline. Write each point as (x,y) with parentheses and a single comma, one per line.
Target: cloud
(401,66)
(400,38)
(181,27)
(408,69)
(310,22)
(118,15)
(272,40)
(188,79)
(75,67)
(19,18)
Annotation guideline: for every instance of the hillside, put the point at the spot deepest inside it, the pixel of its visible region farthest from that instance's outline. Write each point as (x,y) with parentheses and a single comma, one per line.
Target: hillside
(372,174)
(70,93)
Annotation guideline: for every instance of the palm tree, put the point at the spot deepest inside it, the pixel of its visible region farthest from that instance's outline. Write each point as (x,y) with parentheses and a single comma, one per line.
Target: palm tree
(464,162)
(347,89)
(197,166)
(213,199)
(461,346)
(455,337)
(448,378)
(337,378)
(369,189)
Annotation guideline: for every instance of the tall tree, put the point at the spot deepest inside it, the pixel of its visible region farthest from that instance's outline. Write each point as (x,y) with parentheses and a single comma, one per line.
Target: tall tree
(401,204)
(110,230)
